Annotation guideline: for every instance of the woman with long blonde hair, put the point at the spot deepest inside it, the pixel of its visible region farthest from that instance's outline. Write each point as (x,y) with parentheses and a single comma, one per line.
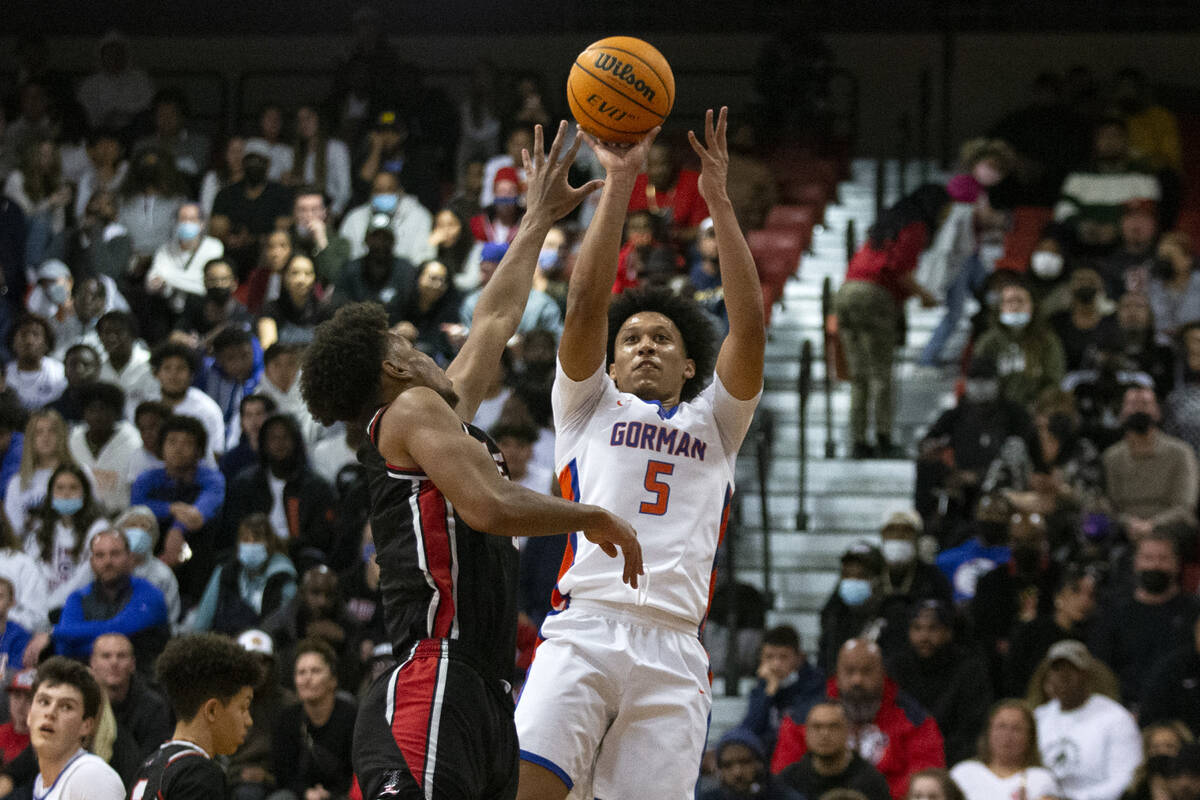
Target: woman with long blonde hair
(45,449)
(1008,763)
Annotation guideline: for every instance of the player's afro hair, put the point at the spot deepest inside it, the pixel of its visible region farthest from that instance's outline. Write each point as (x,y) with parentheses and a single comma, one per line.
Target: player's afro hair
(194,669)
(340,374)
(699,335)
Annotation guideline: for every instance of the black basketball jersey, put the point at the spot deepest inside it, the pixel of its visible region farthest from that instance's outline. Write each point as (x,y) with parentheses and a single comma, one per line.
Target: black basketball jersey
(178,770)
(440,578)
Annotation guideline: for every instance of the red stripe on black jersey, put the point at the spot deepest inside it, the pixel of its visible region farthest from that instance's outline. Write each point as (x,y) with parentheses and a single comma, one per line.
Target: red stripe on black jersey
(416,689)
(436,533)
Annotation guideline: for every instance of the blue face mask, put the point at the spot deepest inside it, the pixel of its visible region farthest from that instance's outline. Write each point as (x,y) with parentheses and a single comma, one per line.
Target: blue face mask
(854,591)
(66,506)
(548,260)
(1016,320)
(504,201)
(385,203)
(252,555)
(368,552)
(57,293)
(139,541)
(187,231)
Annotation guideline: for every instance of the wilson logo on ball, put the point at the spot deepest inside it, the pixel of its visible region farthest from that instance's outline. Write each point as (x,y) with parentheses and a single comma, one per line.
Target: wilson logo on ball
(623,72)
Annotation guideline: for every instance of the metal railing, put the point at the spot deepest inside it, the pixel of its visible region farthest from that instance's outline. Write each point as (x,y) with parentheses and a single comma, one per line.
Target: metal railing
(803,390)
(764,448)
(827,382)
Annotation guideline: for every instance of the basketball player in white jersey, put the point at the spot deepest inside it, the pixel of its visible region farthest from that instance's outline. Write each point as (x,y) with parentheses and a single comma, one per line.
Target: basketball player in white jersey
(617,700)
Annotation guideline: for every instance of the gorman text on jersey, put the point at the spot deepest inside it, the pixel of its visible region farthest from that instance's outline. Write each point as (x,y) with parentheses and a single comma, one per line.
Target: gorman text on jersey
(659,438)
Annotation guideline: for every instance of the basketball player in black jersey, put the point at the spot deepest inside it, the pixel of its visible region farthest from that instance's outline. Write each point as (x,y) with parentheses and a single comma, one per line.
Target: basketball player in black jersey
(210,681)
(442,513)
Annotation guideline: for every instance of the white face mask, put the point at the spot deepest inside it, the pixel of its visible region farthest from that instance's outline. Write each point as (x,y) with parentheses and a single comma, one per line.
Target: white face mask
(898,551)
(1016,320)
(1046,265)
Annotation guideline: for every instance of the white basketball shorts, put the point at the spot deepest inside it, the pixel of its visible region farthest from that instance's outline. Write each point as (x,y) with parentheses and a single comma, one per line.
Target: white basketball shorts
(617,703)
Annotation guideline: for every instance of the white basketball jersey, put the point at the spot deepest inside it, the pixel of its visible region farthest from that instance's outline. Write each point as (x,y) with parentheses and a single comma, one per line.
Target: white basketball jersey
(668,473)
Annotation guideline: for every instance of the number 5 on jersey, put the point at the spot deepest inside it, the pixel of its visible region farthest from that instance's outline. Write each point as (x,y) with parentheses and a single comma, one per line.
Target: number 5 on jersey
(657,487)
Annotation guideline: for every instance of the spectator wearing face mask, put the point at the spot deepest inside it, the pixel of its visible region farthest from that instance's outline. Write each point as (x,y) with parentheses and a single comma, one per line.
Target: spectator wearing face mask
(141,530)
(390,208)
(854,606)
(250,585)
(955,454)
(1028,356)
(1139,348)
(1151,478)
(1138,630)
(986,547)
(1086,326)
(1014,592)
(379,275)
(1174,287)
(246,211)
(498,221)
(205,316)
(541,312)
(177,270)
(906,580)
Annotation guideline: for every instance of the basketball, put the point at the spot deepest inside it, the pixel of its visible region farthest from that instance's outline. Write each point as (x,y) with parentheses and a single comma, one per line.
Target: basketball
(619,88)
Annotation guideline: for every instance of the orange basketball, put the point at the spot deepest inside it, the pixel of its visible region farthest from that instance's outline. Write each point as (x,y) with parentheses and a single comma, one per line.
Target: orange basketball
(619,88)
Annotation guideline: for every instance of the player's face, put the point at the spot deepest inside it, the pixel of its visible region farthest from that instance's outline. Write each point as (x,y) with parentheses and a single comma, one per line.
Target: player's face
(649,359)
(232,721)
(56,723)
(418,369)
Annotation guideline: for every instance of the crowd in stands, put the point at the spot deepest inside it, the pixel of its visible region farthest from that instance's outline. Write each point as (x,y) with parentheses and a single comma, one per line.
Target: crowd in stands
(1032,625)
(159,471)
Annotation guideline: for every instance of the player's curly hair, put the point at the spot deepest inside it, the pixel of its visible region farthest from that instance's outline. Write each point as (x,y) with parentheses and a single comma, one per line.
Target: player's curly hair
(699,335)
(196,668)
(340,374)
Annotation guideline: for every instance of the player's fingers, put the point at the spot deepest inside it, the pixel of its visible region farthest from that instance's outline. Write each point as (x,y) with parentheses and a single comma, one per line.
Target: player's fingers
(556,145)
(709,133)
(722,124)
(539,144)
(695,143)
(588,188)
(591,141)
(526,162)
(569,159)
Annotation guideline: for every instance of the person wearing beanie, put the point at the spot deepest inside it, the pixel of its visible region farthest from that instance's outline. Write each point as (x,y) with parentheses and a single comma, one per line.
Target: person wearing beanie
(742,770)
(541,312)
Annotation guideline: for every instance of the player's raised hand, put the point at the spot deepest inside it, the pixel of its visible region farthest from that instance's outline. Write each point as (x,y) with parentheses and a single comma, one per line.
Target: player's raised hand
(619,159)
(714,155)
(611,532)
(547,192)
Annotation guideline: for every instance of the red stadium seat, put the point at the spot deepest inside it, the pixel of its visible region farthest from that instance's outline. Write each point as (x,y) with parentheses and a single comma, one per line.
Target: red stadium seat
(777,256)
(1022,239)
(793,218)
(1189,223)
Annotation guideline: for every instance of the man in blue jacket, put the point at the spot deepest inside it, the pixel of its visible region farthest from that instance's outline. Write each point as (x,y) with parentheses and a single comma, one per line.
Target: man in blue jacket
(115,602)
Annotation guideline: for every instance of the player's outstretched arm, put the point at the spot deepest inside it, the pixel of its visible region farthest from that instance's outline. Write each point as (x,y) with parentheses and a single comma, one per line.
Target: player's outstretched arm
(464,472)
(548,198)
(740,363)
(581,349)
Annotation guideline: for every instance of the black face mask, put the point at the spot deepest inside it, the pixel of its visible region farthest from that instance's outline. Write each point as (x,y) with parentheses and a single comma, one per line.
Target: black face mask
(1139,422)
(1086,294)
(256,174)
(218,295)
(992,532)
(1162,269)
(1154,581)
(1027,559)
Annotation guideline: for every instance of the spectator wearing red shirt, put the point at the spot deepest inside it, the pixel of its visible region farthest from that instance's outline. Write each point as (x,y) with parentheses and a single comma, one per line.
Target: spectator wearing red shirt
(870,305)
(671,194)
(887,727)
(14,734)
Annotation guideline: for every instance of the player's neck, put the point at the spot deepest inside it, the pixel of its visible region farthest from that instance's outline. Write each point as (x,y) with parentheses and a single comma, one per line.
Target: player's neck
(51,765)
(195,732)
